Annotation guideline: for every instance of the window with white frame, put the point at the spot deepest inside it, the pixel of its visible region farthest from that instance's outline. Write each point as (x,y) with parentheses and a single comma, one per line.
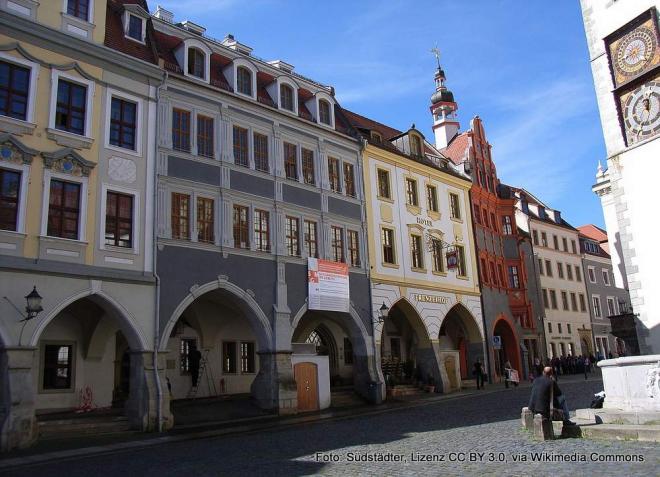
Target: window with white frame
(180,218)
(262,230)
(196,63)
(507,226)
(592,274)
(119,219)
(79,9)
(611,306)
(244,81)
(309,175)
(606,277)
(325,115)
(454,206)
(11,198)
(596,306)
(64,209)
(287,97)
(135,27)
(337,244)
(14,90)
(353,248)
(123,123)
(205,220)
(71,104)
(292,231)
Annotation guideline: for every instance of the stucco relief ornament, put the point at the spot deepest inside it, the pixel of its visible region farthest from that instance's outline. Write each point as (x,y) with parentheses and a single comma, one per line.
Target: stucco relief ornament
(122,170)
(653,382)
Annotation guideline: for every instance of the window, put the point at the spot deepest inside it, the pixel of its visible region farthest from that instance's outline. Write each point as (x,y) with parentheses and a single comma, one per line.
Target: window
(493,222)
(606,277)
(186,345)
(196,63)
(324,112)
(564,244)
(10,188)
(262,230)
(596,305)
(568,330)
(416,251)
(477,214)
(337,245)
(286,97)
(353,248)
(376,138)
(569,271)
(573,247)
(592,274)
(564,300)
(415,146)
(578,274)
(432,198)
(574,302)
(384,184)
(58,366)
(544,239)
(247,357)
(548,268)
(500,272)
(119,220)
(507,226)
(241,146)
(583,305)
(514,280)
(180,216)
(181,130)
(493,275)
(291,236)
(559,330)
(291,161)
(308,167)
(205,215)
(205,136)
(438,257)
(241,227)
(70,109)
(553,299)
(387,236)
(550,329)
(78,9)
(229,357)
(555,242)
(484,271)
(411,192)
(135,28)
(611,306)
(454,206)
(123,118)
(560,270)
(545,298)
(348,351)
(485,217)
(460,255)
(64,209)
(535,237)
(14,90)
(333,174)
(261,152)
(244,80)
(311,244)
(540,262)
(349,179)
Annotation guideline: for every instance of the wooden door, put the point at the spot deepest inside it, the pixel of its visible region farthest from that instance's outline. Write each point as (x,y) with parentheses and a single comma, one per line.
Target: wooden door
(306,376)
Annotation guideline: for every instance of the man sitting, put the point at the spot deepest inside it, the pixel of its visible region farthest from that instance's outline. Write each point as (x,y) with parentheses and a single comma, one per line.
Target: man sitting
(539,401)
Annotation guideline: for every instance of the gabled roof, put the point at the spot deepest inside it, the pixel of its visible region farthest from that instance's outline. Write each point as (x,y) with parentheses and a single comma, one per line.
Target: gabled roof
(593,232)
(457,148)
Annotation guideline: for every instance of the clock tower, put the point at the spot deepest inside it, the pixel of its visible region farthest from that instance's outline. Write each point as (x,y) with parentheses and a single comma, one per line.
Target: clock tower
(443,108)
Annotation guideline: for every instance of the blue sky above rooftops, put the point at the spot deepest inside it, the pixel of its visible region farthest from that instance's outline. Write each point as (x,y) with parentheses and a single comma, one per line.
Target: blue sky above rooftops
(522,66)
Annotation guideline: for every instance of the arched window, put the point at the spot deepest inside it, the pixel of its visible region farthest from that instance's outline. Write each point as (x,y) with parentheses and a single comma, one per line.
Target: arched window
(196,63)
(244,80)
(324,112)
(286,97)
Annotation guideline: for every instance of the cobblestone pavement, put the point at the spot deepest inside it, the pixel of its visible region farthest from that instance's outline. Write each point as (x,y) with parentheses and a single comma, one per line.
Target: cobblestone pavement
(473,435)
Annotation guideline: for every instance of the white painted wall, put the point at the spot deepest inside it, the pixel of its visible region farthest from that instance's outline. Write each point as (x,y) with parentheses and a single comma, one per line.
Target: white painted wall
(323,369)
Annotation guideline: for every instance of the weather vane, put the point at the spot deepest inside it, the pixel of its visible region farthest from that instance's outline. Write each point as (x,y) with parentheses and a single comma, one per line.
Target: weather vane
(436,52)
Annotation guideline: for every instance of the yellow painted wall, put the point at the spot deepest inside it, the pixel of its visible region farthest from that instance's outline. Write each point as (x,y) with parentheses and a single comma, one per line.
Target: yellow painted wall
(50,13)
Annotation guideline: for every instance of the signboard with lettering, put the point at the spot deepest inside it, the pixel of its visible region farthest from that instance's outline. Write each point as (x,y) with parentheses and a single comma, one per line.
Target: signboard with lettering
(327,285)
(497,342)
(430,298)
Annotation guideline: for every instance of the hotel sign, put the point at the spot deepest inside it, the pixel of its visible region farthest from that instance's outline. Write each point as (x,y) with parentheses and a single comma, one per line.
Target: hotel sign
(442,300)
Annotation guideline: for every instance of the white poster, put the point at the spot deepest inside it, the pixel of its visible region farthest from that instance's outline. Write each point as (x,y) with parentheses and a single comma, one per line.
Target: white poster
(327,285)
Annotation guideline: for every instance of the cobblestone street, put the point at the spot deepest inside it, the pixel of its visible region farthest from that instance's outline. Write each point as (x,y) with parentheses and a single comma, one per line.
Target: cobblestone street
(473,435)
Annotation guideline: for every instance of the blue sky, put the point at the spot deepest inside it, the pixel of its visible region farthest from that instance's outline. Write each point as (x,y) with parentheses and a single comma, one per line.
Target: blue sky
(521,65)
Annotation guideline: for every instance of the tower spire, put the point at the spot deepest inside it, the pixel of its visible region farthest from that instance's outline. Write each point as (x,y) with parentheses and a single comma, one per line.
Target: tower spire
(443,108)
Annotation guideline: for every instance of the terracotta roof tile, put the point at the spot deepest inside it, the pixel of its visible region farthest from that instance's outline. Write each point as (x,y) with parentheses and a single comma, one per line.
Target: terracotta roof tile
(593,232)
(457,147)
(362,122)
(114,32)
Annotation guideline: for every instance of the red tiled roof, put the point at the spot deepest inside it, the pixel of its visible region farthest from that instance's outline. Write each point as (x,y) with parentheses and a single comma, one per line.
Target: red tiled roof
(457,147)
(362,122)
(114,32)
(165,45)
(593,232)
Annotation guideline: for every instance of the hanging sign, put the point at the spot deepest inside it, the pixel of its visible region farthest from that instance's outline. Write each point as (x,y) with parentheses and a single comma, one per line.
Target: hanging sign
(327,285)
(452,260)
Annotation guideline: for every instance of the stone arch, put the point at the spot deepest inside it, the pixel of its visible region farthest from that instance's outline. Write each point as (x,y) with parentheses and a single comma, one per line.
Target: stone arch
(510,342)
(460,338)
(468,321)
(414,318)
(136,339)
(247,304)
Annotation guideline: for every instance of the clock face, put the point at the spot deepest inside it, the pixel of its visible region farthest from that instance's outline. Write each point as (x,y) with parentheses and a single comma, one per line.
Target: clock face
(635,52)
(641,111)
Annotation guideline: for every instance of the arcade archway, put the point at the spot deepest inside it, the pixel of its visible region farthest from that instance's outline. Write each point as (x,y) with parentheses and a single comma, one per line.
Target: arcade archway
(510,350)
(460,343)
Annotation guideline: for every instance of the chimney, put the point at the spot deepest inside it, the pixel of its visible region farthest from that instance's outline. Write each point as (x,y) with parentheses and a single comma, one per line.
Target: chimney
(193,27)
(233,44)
(164,15)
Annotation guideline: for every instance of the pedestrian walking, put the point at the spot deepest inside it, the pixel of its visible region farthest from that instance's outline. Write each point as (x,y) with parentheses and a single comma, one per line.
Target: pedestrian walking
(478,372)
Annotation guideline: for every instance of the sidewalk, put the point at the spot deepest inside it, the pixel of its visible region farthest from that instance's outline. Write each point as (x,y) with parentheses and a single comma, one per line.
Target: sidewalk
(62,449)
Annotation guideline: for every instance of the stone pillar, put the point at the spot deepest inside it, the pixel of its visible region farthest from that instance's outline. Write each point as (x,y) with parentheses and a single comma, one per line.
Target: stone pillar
(19,423)
(366,381)
(142,404)
(275,387)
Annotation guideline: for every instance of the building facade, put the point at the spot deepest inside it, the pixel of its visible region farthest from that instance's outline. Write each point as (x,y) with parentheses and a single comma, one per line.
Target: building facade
(77,163)
(422,257)
(625,60)
(564,295)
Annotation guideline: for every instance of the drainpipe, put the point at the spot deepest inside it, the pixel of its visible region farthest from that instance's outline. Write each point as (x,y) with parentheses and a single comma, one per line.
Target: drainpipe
(159,385)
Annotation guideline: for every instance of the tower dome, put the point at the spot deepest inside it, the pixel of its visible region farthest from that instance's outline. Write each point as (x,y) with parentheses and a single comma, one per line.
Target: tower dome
(442,93)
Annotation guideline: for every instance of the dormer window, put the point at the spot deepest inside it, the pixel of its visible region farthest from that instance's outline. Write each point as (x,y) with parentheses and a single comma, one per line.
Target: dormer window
(324,112)
(415,146)
(196,63)
(244,81)
(78,9)
(376,138)
(286,97)
(135,28)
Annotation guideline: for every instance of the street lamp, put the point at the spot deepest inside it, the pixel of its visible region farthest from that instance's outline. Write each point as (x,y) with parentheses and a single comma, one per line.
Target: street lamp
(33,307)
(382,313)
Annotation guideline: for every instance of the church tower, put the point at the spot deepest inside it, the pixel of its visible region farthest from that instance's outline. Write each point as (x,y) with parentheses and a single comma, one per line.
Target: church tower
(443,108)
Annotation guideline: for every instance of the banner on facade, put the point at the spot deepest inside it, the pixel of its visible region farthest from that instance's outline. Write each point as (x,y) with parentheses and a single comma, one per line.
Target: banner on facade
(327,285)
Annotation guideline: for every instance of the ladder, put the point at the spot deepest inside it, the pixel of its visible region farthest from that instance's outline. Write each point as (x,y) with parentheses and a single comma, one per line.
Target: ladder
(210,380)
